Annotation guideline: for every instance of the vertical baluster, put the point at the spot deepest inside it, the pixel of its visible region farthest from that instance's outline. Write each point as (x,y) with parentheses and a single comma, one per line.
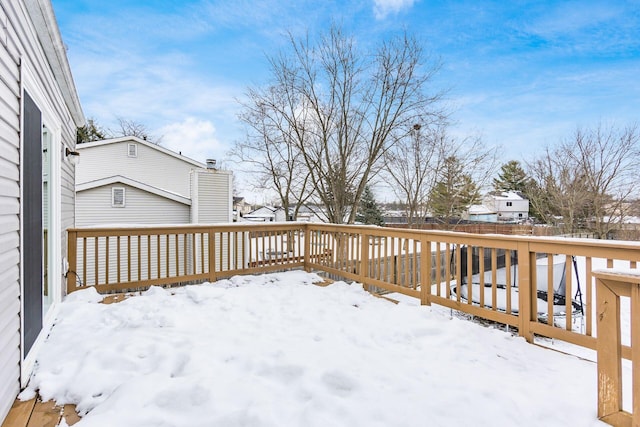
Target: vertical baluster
(184,254)
(177,255)
(481,275)
(139,259)
(415,264)
(589,289)
(447,270)
(106,259)
(202,254)
(394,261)
(425,272)
(494,277)
(568,293)
(118,257)
(166,255)
(470,276)
(508,278)
(427,251)
(128,259)
(550,290)
(458,272)
(84,261)
(158,255)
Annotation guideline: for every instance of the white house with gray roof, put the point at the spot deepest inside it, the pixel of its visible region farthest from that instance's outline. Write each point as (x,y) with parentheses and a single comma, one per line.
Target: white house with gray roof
(510,206)
(128,180)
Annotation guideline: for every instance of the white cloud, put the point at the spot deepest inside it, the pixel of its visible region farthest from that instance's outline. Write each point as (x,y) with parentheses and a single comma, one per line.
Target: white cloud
(382,8)
(194,138)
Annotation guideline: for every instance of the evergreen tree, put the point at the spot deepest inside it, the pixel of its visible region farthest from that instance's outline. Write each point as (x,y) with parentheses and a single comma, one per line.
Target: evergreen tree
(512,177)
(369,211)
(90,132)
(454,191)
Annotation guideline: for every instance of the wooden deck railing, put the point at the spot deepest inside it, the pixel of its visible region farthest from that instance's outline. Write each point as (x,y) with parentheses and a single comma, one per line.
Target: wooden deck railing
(505,280)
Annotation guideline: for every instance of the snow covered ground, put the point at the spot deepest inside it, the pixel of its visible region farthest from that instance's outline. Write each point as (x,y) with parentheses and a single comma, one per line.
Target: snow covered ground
(275,350)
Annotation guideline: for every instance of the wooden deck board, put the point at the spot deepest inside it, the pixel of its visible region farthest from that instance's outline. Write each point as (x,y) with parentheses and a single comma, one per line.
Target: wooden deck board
(70,415)
(45,414)
(36,413)
(19,413)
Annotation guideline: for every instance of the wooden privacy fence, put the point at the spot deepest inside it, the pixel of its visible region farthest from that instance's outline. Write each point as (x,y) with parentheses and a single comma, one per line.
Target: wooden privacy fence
(540,285)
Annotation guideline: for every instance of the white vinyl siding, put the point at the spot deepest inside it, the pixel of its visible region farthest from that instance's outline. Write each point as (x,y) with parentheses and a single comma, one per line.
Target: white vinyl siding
(94,207)
(212,197)
(151,166)
(9,210)
(19,46)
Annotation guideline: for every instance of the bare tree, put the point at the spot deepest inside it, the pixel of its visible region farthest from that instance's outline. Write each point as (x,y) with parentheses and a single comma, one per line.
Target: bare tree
(590,178)
(343,108)
(609,159)
(559,195)
(412,165)
(428,157)
(128,127)
(269,150)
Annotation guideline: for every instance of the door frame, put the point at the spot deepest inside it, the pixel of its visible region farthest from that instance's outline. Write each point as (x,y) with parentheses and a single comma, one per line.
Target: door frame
(32,85)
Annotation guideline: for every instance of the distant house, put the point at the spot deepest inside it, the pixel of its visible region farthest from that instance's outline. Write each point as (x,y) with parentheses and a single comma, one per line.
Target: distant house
(240,207)
(311,213)
(510,206)
(480,213)
(39,116)
(131,181)
(267,214)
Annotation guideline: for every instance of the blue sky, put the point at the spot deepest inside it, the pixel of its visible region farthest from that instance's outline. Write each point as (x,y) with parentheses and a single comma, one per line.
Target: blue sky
(520,74)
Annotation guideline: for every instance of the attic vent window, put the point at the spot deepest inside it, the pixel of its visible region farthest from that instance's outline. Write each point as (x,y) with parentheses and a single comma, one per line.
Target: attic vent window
(509,203)
(132,150)
(117,197)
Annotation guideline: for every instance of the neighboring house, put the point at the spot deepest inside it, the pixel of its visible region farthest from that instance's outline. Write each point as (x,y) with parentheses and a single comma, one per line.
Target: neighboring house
(39,114)
(266,214)
(311,213)
(510,206)
(240,208)
(131,181)
(480,213)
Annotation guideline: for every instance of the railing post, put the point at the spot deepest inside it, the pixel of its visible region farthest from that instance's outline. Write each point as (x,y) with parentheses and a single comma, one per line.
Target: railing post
(212,254)
(425,271)
(364,260)
(609,288)
(72,258)
(307,247)
(527,295)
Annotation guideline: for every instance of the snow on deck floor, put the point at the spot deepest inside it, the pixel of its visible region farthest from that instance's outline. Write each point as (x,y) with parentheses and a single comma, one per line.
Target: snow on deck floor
(273,350)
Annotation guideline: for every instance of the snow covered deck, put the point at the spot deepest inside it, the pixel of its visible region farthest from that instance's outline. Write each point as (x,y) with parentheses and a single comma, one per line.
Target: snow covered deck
(423,265)
(273,350)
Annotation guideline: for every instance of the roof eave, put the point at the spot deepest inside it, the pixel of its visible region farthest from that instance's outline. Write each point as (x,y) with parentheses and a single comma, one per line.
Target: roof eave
(43,17)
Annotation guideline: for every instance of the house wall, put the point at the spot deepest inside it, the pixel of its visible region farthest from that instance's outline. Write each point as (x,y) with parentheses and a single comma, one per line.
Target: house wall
(518,210)
(151,166)
(211,196)
(23,64)
(141,207)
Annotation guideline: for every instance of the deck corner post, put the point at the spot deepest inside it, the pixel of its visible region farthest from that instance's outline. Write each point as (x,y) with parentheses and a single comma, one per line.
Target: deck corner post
(527,291)
(610,286)
(72,258)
